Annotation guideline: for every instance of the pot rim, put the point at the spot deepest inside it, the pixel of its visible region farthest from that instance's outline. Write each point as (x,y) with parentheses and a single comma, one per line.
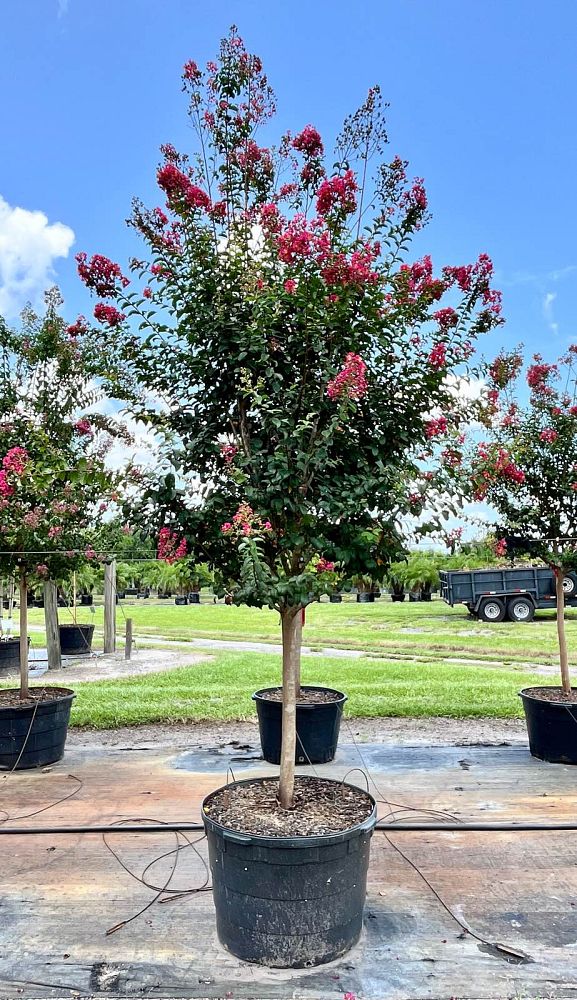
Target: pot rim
(65,694)
(527,693)
(78,626)
(305,687)
(296,842)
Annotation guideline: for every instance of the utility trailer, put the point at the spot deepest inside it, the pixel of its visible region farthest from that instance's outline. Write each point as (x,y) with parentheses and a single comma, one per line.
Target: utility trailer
(493,595)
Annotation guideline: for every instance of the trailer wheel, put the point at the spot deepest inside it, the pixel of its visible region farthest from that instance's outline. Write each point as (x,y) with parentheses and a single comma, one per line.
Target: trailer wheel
(492,610)
(521,609)
(569,586)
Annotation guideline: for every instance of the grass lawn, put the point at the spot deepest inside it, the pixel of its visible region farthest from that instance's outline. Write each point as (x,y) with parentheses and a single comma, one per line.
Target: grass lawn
(409,668)
(430,631)
(220,689)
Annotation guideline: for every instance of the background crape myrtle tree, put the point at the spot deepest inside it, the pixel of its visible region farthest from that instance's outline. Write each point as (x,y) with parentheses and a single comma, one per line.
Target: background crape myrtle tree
(54,484)
(305,367)
(526,466)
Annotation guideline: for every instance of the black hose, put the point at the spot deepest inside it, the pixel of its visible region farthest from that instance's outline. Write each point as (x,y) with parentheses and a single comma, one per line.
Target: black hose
(39,831)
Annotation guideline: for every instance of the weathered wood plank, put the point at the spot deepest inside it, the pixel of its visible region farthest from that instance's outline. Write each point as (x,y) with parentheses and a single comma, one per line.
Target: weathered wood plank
(59,895)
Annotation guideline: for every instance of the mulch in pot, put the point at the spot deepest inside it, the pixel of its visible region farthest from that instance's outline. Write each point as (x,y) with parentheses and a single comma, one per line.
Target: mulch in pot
(310,696)
(321,807)
(10,698)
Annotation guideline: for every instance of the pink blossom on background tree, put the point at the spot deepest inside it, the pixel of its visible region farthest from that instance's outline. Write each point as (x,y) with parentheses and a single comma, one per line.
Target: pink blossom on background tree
(526,465)
(303,359)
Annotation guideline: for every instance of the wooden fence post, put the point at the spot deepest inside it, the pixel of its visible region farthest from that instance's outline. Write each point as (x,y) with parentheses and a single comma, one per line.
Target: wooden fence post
(128,640)
(110,607)
(51,625)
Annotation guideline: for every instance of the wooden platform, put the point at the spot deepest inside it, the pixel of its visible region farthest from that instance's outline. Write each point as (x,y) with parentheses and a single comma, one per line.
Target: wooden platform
(60,895)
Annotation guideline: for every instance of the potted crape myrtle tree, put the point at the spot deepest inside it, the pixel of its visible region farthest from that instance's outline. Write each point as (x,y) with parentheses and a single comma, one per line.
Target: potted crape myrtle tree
(303,366)
(526,469)
(53,485)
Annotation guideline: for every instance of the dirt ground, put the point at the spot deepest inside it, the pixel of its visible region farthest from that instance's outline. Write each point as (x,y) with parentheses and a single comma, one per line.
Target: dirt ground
(244,735)
(101,667)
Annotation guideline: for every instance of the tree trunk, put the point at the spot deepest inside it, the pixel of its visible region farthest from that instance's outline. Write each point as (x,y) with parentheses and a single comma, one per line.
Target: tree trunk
(291,622)
(563,658)
(24,691)
(51,625)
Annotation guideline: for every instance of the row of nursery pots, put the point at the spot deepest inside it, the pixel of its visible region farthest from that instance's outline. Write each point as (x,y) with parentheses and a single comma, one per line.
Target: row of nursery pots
(281,901)
(75,640)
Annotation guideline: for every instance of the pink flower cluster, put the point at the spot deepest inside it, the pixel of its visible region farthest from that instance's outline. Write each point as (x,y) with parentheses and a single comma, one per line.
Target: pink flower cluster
(83,427)
(500,547)
(15,461)
(438,356)
(309,142)
(325,566)
(446,318)
(417,281)
(436,427)
(356,271)
(245,523)
(548,435)
(494,466)
(338,194)
(179,188)
(538,374)
(108,314)
(101,275)
(77,329)
(228,451)
(170,547)
(505,368)
(351,381)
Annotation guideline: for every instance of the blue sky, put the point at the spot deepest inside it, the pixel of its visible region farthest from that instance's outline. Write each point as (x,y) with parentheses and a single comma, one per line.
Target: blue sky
(482,104)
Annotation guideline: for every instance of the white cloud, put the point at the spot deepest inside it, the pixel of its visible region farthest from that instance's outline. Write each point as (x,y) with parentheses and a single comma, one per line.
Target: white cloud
(29,246)
(548,311)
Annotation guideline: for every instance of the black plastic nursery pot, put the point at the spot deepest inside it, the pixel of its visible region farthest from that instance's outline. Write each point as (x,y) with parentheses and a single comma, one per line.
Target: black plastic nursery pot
(10,655)
(181,600)
(397,596)
(86,600)
(75,639)
(288,902)
(365,598)
(194,597)
(335,598)
(34,734)
(551,726)
(318,726)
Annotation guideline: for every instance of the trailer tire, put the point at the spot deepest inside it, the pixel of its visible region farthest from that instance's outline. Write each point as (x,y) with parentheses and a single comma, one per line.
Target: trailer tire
(521,609)
(492,609)
(569,585)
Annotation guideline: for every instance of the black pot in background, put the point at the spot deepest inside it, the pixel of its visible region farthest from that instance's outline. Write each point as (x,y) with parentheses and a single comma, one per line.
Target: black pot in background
(194,597)
(364,598)
(10,655)
(34,735)
(335,598)
(181,600)
(120,594)
(414,595)
(397,596)
(75,639)
(86,600)
(317,727)
(552,727)
(288,902)
(426,595)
